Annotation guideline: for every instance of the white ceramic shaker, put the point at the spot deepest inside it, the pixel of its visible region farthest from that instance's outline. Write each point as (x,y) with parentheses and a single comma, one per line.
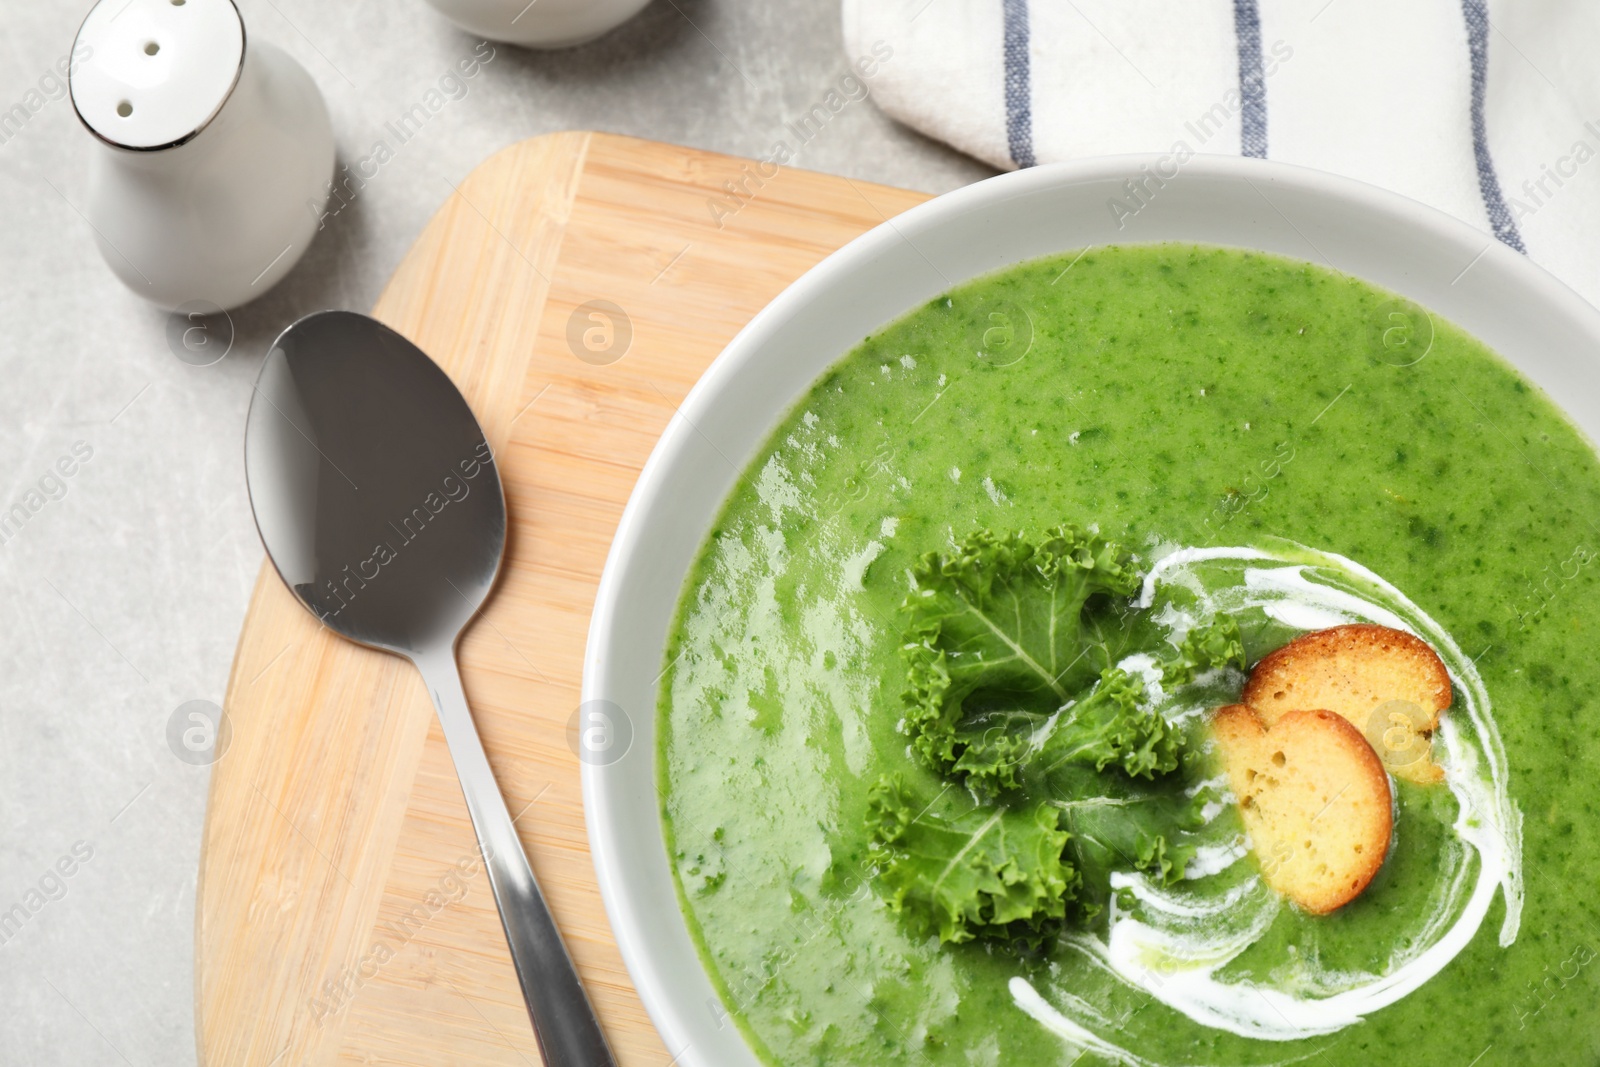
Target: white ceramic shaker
(212,154)
(539,23)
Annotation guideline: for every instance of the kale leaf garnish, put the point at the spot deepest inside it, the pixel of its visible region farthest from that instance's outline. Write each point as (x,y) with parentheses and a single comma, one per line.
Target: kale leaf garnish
(1000,621)
(995,870)
(1066,770)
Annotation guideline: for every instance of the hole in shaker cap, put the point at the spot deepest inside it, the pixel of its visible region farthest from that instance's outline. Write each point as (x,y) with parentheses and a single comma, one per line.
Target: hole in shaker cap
(124,109)
(151,48)
(177,3)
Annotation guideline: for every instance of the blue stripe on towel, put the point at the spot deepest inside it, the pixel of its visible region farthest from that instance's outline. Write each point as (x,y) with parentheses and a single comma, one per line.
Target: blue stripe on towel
(1252,82)
(1500,218)
(1019,90)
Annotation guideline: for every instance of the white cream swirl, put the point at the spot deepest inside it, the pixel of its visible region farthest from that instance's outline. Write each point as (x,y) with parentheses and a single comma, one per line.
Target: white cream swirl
(1172,943)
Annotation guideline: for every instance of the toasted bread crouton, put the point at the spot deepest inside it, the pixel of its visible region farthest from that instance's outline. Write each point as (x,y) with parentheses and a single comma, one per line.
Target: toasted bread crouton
(1315,799)
(1389,685)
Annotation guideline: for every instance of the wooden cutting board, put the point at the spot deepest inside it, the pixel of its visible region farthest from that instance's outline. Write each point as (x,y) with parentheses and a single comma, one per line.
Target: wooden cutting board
(342,916)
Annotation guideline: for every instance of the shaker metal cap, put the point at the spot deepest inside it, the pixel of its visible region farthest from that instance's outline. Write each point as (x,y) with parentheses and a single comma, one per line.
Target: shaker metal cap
(156,71)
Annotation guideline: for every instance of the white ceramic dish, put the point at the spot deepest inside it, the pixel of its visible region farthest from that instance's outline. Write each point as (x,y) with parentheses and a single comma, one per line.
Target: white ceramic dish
(1549,332)
(549,24)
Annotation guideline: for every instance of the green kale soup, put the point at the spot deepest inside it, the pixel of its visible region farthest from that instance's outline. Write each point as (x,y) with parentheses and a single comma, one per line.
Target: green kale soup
(934,756)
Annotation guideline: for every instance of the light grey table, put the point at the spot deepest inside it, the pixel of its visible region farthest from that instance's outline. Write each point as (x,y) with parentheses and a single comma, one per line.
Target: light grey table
(121,597)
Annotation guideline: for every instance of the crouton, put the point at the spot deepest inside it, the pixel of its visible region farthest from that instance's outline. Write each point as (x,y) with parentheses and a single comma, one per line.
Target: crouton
(1315,799)
(1389,685)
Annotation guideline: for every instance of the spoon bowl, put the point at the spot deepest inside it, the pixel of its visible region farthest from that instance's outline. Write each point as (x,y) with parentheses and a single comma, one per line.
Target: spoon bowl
(374,489)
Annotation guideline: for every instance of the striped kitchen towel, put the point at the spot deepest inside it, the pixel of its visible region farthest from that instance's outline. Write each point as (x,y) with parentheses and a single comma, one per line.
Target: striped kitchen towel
(1486,109)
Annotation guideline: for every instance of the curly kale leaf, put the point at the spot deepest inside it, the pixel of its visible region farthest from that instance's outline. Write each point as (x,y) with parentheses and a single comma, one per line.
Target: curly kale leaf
(1140,819)
(995,751)
(1000,624)
(1071,774)
(961,871)
(1118,824)
(1216,644)
(1111,727)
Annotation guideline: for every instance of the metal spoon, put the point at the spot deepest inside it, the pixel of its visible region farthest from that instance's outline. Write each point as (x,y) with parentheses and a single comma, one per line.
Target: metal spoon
(380,504)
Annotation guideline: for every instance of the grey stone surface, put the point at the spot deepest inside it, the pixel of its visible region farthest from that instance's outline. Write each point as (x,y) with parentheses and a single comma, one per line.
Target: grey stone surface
(122,599)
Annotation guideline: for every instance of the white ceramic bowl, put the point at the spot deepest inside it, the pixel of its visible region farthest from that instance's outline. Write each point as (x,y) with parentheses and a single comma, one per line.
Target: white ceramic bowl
(1550,333)
(547,24)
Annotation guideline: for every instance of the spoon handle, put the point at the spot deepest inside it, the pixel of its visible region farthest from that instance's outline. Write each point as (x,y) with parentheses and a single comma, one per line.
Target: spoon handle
(564,1022)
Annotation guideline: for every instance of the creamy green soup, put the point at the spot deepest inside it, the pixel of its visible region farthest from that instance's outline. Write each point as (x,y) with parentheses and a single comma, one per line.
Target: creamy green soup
(1269,442)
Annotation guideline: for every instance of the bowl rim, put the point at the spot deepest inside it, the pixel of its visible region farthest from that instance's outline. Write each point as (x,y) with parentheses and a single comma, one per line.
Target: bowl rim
(651,974)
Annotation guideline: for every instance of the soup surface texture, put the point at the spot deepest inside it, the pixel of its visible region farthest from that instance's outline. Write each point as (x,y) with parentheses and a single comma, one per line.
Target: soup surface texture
(1248,428)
